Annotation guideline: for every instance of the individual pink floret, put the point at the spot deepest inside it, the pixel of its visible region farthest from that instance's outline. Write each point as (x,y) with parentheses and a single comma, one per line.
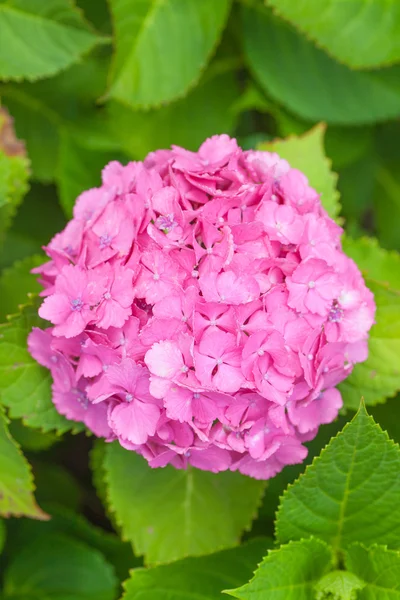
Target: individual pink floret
(202,310)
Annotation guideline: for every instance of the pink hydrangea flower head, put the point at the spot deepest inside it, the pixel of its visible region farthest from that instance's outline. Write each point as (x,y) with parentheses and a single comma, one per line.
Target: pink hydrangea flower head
(202,310)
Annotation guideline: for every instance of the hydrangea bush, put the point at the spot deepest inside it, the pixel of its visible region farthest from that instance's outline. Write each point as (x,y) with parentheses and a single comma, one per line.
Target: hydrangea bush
(203,310)
(199,300)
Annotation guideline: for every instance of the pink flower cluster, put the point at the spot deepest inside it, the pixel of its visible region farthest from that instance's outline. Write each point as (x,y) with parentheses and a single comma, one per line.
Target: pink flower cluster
(202,310)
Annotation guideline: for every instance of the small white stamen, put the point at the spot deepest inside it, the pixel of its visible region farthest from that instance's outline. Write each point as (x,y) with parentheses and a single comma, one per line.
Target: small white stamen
(311,284)
(107,296)
(219,361)
(184,369)
(128,397)
(260,352)
(156,277)
(310,356)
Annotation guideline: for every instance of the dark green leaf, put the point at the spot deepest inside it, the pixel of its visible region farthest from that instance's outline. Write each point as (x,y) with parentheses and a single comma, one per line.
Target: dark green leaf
(310,83)
(57,567)
(16,282)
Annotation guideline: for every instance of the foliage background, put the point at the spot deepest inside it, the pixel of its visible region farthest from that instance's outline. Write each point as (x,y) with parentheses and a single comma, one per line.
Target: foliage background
(89,81)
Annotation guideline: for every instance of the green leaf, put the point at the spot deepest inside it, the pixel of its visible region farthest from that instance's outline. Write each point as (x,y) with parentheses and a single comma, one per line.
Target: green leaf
(40,39)
(208,575)
(174,38)
(25,385)
(201,512)
(184,122)
(350,493)
(64,521)
(378,378)
(57,567)
(56,485)
(375,263)
(338,585)
(289,573)
(15,284)
(306,153)
(321,89)
(379,568)
(16,481)
(339,27)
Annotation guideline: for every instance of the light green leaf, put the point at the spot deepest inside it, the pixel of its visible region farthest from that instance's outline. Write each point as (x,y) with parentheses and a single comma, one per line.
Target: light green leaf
(375,262)
(57,567)
(322,89)
(373,27)
(350,493)
(16,282)
(378,378)
(185,122)
(24,384)
(39,39)
(307,154)
(379,568)
(206,575)
(338,585)
(289,573)
(162,46)
(169,514)
(16,481)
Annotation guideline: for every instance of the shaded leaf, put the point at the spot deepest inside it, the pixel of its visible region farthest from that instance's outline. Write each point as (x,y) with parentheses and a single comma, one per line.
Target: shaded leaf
(29,439)
(162,47)
(306,153)
(201,511)
(350,493)
(38,39)
(321,89)
(208,575)
(289,573)
(57,567)
(16,481)
(372,27)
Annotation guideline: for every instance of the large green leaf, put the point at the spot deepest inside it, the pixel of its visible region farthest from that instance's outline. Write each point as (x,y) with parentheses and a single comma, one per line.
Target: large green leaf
(16,481)
(372,27)
(169,514)
(57,567)
(308,82)
(379,568)
(289,573)
(38,39)
(24,384)
(206,575)
(16,282)
(378,378)
(350,493)
(162,47)
(185,122)
(386,202)
(2,535)
(306,153)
